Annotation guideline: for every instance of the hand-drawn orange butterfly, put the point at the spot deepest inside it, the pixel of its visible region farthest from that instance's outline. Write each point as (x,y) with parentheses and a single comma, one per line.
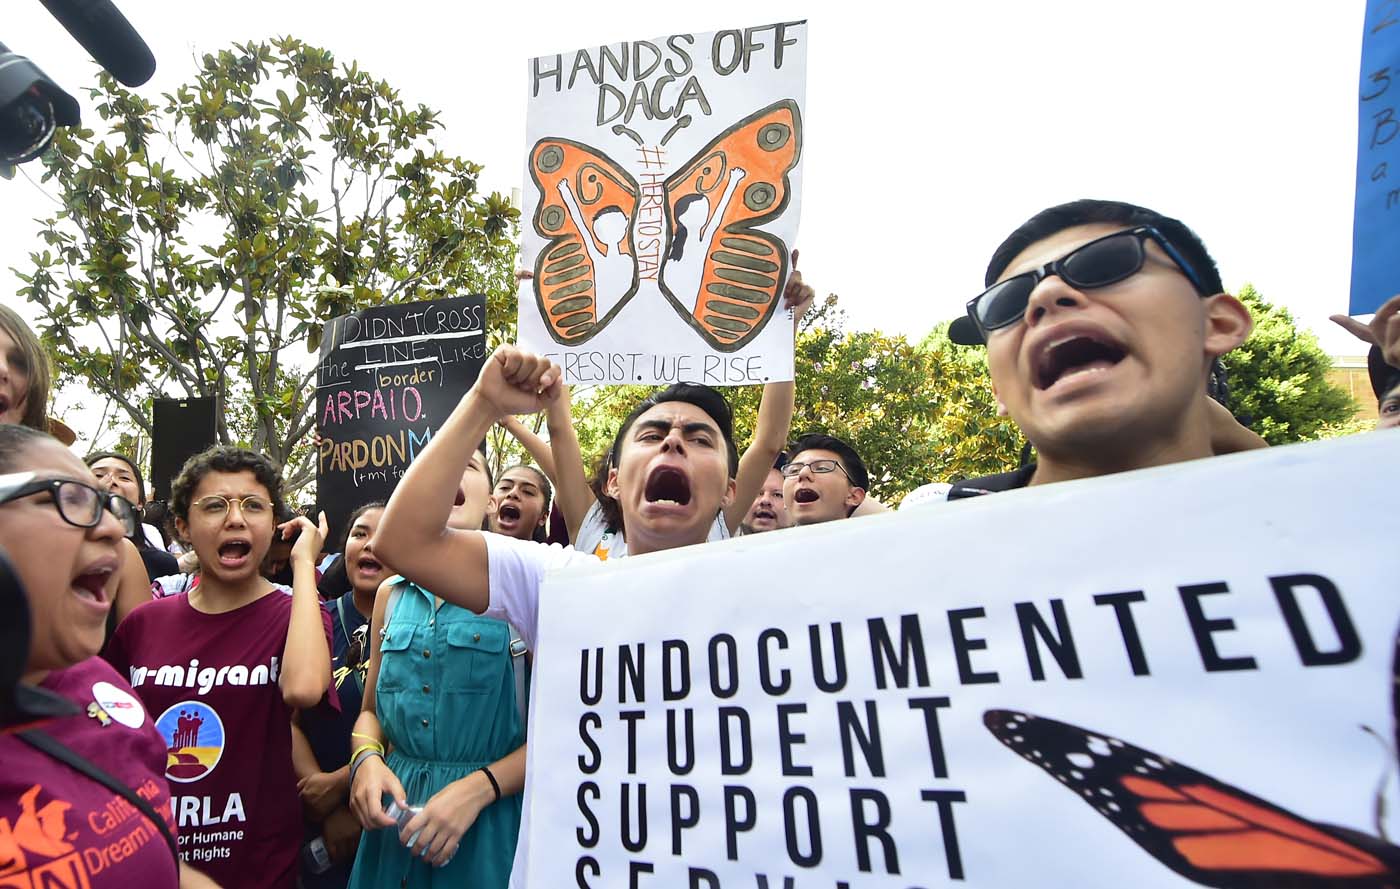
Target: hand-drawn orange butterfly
(1205,830)
(720,272)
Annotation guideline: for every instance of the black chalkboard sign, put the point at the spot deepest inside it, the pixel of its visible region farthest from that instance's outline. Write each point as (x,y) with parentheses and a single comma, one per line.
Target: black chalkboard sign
(387,380)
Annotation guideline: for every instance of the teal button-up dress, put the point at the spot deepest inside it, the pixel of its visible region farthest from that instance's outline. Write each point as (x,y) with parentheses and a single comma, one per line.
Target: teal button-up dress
(446,701)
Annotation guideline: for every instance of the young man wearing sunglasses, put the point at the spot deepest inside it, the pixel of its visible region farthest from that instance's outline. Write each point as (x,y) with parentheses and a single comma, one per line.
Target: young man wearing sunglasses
(824,480)
(1102,321)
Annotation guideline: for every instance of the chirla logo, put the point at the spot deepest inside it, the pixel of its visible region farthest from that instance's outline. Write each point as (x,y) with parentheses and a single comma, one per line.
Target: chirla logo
(194,740)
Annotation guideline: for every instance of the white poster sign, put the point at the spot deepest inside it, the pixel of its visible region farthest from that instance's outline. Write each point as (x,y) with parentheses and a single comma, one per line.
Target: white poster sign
(1176,677)
(662,191)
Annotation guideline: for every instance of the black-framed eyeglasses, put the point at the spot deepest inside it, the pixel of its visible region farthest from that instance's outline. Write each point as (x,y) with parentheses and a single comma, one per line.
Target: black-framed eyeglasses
(818,467)
(1099,263)
(78,503)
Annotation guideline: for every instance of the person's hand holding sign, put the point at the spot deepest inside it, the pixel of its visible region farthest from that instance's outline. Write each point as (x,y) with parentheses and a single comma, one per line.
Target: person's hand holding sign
(1383,331)
(517,382)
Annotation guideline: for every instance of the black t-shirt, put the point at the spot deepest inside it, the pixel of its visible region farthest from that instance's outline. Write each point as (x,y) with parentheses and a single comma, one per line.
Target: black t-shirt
(158,563)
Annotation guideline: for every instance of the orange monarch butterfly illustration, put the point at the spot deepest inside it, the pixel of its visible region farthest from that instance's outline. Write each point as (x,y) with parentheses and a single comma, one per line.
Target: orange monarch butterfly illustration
(1205,830)
(720,272)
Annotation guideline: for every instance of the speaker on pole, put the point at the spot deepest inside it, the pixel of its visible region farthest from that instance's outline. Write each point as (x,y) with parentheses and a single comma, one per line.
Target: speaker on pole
(182,428)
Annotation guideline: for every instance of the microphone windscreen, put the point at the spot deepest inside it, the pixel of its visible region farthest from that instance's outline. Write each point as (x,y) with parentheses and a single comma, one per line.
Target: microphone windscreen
(107,36)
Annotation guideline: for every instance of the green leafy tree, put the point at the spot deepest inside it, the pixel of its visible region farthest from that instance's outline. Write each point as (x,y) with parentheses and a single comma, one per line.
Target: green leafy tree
(203,240)
(1278,379)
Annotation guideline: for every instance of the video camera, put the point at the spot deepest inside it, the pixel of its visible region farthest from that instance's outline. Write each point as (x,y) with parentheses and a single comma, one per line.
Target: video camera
(33,107)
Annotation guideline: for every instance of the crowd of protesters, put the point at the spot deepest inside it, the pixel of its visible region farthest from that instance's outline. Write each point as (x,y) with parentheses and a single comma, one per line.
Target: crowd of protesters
(353,712)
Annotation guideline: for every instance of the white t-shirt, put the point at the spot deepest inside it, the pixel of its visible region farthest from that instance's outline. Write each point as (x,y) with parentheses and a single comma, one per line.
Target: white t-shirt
(152,534)
(515,569)
(925,495)
(595,538)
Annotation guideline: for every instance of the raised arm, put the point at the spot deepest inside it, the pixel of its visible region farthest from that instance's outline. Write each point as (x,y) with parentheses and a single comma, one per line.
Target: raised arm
(306,655)
(413,535)
(774,417)
(707,233)
(577,215)
(571,490)
(536,447)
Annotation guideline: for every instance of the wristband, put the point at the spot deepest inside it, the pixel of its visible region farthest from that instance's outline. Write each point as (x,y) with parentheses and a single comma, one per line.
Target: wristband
(494,786)
(359,761)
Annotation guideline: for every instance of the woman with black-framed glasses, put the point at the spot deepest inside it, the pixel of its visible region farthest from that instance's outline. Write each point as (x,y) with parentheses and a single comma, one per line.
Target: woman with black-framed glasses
(65,538)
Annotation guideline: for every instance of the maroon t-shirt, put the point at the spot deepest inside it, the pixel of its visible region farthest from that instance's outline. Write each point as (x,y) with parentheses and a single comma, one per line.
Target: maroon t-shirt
(58,827)
(210,683)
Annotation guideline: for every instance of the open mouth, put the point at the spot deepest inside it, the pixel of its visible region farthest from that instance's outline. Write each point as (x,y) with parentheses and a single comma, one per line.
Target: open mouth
(369,566)
(4,405)
(460,499)
(806,495)
(92,585)
(508,512)
(233,553)
(667,484)
(1077,354)
(763,513)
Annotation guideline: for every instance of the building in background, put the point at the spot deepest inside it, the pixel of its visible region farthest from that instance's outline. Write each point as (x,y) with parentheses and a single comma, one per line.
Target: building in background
(1349,373)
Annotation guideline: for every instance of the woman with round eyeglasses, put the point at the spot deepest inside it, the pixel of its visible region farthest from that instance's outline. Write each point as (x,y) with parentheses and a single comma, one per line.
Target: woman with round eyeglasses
(63,536)
(223,667)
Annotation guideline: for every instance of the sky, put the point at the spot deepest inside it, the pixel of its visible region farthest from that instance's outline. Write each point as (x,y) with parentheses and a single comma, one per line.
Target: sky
(932,130)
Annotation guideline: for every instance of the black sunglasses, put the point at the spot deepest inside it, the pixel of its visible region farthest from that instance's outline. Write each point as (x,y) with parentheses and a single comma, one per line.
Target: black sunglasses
(78,503)
(1099,263)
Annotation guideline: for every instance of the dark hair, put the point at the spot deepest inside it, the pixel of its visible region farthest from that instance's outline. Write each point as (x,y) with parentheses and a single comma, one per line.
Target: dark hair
(39,370)
(781,460)
(14,439)
(221,458)
(598,484)
(354,516)
(157,513)
(1383,377)
(707,399)
(1088,211)
(135,470)
(538,533)
(850,460)
(681,233)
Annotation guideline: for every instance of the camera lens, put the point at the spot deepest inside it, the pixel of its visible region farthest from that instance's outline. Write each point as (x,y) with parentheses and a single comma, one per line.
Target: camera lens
(32,107)
(26,128)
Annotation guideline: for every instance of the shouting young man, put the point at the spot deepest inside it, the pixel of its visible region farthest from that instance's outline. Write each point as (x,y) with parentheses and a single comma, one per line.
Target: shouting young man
(1102,321)
(824,480)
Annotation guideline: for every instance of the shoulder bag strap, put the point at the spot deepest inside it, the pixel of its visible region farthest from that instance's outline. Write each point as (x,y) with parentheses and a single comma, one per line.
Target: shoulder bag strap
(48,744)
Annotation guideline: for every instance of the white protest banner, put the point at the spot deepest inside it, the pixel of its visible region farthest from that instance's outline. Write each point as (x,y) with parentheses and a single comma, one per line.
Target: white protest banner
(662,192)
(1175,677)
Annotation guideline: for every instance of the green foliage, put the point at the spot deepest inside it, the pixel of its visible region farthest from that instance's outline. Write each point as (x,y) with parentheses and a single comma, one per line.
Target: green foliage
(201,238)
(1278,379)
(915,413)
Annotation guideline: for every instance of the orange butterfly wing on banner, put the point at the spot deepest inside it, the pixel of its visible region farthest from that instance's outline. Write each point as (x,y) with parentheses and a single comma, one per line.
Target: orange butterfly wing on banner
(743,178)
(1204,829)
(578,185)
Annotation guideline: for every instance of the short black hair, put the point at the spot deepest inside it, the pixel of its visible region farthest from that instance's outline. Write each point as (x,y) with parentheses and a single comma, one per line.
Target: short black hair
(354,516)
(1089,211)
(135,470)
(1383,377)
(850,460)
(221,458)
(15,438)
(704,397)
